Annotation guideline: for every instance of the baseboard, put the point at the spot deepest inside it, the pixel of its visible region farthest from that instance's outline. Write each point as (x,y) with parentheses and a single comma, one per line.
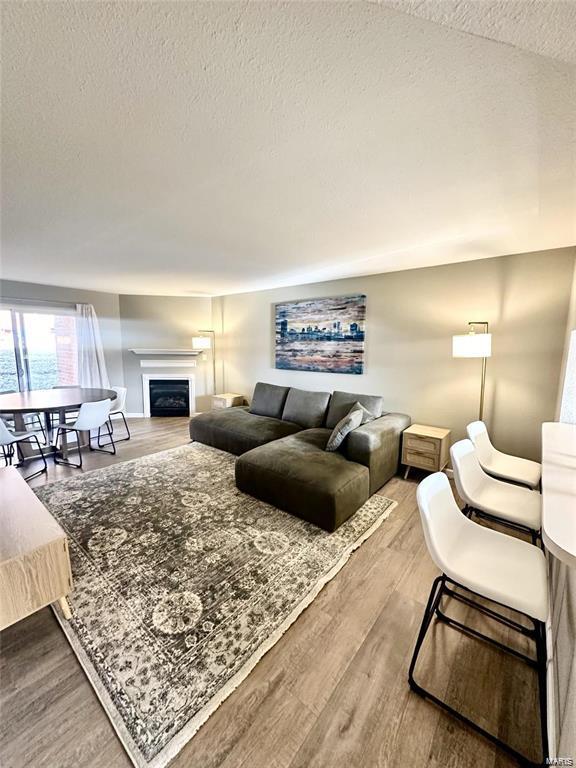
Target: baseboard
(132,416)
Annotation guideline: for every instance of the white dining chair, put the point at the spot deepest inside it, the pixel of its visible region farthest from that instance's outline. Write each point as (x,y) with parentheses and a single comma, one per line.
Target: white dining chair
(476,561)
(11,442)
(117,407)
(90,416)
(70,415)
(33,420)
(502,465)
(487,497)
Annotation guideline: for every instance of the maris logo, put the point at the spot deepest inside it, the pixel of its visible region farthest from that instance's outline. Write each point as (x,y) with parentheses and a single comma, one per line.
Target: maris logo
(559,761)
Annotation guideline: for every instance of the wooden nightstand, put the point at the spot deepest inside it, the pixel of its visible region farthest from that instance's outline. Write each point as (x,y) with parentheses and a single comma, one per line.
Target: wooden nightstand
(425,447)
(227,400)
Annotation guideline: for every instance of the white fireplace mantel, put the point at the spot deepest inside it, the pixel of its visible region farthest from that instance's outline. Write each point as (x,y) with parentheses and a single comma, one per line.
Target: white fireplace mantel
(148,377)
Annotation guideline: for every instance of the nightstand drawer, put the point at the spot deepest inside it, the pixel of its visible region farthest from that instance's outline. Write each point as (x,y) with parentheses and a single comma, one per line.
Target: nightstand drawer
(420,460)
(422,444)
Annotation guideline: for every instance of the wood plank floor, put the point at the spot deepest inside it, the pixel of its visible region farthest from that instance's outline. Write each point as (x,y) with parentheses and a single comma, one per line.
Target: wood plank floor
(332,693)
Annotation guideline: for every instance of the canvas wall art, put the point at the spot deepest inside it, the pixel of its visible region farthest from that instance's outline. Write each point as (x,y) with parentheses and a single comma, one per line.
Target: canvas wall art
(323,335)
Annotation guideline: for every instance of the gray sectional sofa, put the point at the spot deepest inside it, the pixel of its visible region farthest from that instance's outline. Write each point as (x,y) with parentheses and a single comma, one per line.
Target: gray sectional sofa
(281,439)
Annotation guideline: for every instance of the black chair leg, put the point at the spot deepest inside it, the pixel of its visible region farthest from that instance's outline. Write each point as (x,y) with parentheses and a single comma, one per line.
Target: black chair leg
(102,446)
(66,462)
(36,418)
(432,607)
(121,439)
(42,456)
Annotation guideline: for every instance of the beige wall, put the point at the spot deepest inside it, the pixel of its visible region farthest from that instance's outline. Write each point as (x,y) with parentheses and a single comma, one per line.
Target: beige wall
(163,322)
(411,317)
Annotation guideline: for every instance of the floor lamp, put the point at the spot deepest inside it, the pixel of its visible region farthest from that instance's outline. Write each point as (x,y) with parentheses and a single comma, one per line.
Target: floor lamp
(207,342)
(474,344)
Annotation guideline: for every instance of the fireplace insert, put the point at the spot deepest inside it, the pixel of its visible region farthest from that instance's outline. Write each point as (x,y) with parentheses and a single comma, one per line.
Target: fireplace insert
(169,397)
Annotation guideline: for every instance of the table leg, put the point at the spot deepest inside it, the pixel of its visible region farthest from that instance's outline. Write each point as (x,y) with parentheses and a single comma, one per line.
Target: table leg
(63,434)
(406,472)
(48,427)
(64,605)
(20,425)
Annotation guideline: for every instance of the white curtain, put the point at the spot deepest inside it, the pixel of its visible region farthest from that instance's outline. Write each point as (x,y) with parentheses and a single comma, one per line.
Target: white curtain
(91,363)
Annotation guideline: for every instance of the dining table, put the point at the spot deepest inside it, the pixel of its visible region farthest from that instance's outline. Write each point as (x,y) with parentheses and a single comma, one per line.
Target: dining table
(59,400)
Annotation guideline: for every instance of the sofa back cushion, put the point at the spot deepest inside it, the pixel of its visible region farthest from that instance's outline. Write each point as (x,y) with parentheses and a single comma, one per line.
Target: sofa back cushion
(268,400)
(308,409)
(341,403)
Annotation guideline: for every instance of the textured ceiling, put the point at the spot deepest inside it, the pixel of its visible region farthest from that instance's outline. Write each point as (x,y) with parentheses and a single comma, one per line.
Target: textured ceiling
(206,148)
(547,27)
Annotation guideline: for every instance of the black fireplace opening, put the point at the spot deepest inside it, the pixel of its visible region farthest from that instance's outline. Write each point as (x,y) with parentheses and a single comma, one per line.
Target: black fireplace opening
(169,397)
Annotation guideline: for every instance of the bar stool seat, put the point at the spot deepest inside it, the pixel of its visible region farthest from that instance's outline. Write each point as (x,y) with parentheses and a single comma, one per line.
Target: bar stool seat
(500,567)
(507,503)
(502,465)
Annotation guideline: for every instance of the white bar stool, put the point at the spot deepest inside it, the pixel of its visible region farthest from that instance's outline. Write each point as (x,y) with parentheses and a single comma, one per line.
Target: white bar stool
(502,465)
(511,505)
(485,563)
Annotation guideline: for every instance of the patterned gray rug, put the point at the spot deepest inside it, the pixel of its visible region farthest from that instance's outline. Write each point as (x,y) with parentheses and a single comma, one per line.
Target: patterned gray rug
(181,584)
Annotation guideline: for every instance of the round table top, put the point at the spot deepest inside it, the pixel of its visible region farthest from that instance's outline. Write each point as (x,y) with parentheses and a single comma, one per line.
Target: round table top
(52,399)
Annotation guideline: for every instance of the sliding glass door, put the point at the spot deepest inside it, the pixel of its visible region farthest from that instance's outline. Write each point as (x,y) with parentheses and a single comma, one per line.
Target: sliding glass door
(37,349)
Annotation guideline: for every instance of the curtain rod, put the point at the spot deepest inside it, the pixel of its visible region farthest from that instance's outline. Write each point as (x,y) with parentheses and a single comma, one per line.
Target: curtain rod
(14,300)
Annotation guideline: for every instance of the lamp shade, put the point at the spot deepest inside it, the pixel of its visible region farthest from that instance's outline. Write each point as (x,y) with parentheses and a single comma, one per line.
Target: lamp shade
(472,345)
(201,342)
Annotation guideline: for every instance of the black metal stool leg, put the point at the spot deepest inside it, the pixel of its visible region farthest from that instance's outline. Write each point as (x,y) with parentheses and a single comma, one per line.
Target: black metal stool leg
(539,636)
(542,659)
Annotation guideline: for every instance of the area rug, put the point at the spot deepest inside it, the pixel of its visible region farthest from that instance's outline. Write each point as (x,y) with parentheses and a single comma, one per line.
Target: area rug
(181,584)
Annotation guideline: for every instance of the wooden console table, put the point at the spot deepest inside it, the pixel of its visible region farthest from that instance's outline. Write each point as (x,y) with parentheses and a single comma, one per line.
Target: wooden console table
(34,561)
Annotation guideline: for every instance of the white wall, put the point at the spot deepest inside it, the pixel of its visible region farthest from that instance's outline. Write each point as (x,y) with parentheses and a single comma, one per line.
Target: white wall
(411,317)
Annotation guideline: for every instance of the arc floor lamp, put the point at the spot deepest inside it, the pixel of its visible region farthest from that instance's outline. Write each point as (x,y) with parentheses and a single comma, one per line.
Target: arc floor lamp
(474,344)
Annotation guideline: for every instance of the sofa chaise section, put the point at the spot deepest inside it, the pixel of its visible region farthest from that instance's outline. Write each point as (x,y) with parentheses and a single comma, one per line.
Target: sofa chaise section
(296,474)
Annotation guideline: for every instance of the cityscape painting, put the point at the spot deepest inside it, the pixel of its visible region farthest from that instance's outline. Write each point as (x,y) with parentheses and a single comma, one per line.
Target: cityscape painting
(323,335)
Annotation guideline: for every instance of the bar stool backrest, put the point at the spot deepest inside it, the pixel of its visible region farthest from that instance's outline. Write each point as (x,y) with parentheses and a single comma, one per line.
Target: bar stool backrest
(469,476)
(442,520)
(478,434)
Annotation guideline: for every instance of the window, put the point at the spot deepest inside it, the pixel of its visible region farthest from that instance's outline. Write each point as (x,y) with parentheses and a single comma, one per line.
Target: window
(37,348)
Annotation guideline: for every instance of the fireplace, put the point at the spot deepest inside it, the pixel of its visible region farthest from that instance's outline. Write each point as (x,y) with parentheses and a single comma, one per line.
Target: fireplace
(169,397)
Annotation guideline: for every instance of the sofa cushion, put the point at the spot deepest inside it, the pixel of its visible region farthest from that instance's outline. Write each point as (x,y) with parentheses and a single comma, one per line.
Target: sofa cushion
(236,430)
(268,400)
(306,408)
(352,420)
(298,475)
(341,403)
